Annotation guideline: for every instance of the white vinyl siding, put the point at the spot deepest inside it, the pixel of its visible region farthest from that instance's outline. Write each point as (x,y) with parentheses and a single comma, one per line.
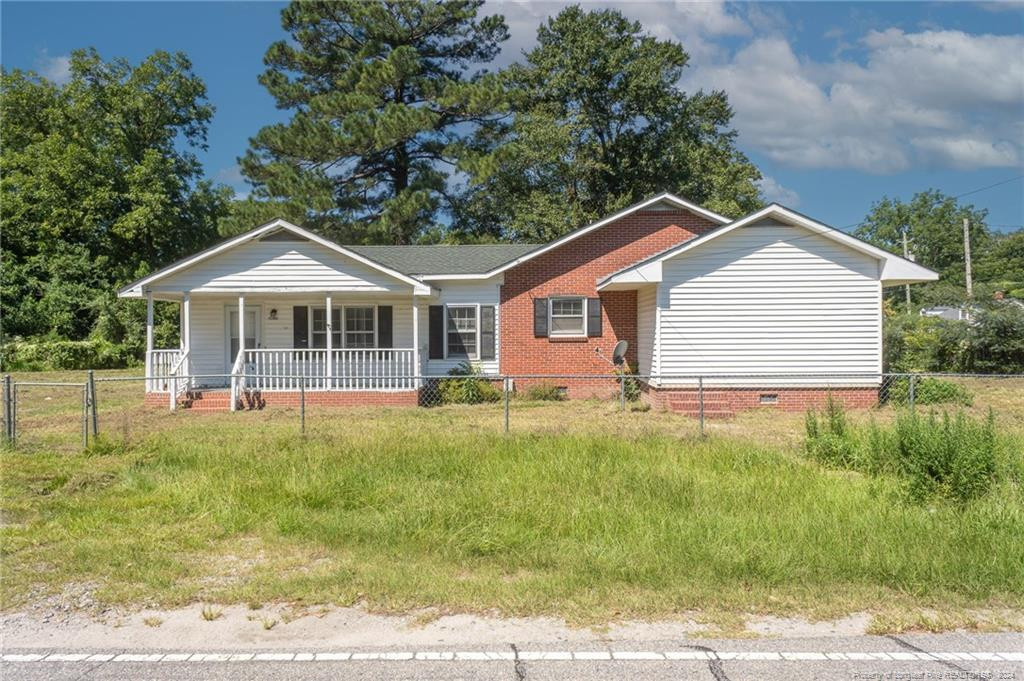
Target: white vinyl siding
(274,265)
(460,292)
(646,304)
(770,299)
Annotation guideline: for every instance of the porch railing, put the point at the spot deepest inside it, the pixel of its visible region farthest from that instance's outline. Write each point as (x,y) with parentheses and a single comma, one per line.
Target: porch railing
(160,364)
(179,380)
(350,369)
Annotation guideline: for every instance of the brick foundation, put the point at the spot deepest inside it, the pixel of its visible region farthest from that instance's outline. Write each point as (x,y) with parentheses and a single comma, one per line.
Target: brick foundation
(220,399)
(724,402)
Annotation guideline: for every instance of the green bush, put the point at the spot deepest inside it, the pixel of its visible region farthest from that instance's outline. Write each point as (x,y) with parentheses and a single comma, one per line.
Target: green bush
(953,457)
(829,440)
(927,390)
(53,355)
(544,392)
(470,388)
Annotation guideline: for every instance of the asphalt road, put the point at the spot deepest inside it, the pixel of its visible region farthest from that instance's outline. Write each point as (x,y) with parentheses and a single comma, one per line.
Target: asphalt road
(935,657)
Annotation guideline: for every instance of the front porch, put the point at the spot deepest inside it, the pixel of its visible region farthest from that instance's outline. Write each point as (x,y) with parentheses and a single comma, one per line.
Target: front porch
(270,349)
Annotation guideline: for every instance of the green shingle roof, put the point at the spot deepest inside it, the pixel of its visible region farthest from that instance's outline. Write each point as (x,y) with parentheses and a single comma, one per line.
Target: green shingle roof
(444,258)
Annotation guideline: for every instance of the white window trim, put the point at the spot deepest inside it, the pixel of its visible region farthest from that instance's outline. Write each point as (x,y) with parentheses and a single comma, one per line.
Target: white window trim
(341,309)
(345,331)
(476,307)
(562,334)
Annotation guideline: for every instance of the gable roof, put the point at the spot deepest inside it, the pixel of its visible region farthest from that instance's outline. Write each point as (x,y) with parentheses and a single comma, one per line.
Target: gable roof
(445,259)
(135,289)
(895,269)
(664,197)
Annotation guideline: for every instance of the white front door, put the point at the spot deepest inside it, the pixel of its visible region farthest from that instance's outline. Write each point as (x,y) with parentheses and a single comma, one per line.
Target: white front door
(252,331)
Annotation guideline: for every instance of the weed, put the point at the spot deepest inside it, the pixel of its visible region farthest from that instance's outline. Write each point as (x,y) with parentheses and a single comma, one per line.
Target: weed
(268,623)
(211,613)
(152,621)
(544,392)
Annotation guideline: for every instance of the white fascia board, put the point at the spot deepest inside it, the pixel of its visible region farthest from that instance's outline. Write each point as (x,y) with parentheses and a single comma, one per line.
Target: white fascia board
(670,198)
(894,269)
(135,289)
(645,273)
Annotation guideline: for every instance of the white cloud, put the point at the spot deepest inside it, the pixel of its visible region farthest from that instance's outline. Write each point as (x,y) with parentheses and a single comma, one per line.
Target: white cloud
(772,191)
(944,98)
(57,69)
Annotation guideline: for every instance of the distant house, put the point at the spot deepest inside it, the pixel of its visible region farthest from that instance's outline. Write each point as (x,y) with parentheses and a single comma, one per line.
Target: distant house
(948,312)
(774,293)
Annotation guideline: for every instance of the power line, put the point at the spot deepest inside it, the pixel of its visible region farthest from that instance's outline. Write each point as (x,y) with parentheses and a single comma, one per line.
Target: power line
(958,196)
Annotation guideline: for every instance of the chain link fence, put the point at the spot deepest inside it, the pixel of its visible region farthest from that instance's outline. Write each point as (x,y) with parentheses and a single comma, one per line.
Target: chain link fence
(72,410)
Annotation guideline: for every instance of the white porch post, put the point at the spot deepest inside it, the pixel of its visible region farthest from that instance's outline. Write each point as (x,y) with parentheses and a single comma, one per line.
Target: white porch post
(328,316)
(415,341)
(186,322)
(149,341)
(241,324)
(241,348)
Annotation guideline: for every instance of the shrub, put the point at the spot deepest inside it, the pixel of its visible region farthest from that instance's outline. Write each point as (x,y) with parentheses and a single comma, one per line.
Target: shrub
(50,355)
(829,440)
(544,392)
(954,457)
(927,390)
(471,388)
(632,386)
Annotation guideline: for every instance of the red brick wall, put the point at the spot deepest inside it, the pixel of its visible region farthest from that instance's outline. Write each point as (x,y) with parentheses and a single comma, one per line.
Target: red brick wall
(573,269)
(740,399)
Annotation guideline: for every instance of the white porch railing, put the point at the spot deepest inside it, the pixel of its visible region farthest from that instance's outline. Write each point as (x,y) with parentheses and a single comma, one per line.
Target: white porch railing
(351,369)
(180,379)
(159,366)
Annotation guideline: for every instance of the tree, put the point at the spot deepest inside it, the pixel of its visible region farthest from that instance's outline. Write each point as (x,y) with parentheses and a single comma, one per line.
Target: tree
(934,224)
(100,184)
(597,122)
(382,95)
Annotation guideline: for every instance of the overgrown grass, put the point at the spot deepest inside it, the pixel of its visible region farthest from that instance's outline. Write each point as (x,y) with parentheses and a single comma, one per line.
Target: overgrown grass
(955,457)
(407,512)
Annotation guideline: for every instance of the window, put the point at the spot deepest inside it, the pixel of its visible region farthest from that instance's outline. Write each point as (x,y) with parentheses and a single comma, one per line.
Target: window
(318,330)
(462,331)
(359,327)
(568,317)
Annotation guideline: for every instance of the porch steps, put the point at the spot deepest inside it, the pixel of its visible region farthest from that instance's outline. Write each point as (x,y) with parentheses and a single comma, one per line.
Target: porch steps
(206,400)
(716,405)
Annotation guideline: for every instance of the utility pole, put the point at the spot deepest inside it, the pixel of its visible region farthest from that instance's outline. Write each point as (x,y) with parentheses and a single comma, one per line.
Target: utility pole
(906,254)
(967,256)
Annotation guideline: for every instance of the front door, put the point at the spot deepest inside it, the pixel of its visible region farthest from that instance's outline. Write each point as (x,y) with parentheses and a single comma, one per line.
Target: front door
(252,332)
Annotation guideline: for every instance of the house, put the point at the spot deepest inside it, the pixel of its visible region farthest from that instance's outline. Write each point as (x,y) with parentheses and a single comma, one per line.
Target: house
(948,312)
(772,294)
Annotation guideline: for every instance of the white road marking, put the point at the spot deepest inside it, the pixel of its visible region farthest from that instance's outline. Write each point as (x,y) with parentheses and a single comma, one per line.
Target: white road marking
(507,655)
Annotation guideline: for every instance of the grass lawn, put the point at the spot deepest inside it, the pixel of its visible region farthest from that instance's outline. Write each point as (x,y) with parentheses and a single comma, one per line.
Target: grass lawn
(581,512)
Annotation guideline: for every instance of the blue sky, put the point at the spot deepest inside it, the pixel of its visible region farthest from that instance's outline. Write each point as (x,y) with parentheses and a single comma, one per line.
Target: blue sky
(837,103)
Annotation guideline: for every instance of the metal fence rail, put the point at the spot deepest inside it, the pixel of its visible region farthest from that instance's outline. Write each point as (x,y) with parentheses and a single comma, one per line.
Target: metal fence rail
(68,414)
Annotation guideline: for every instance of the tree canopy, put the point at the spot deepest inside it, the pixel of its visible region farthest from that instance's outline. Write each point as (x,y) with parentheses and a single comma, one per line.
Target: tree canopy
(381,95)
(100,183)
(596,121)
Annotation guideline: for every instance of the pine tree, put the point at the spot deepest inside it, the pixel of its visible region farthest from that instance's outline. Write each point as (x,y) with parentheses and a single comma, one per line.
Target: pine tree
(382,94)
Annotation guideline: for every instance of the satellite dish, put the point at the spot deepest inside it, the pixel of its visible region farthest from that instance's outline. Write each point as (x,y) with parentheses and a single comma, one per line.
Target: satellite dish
(619,353)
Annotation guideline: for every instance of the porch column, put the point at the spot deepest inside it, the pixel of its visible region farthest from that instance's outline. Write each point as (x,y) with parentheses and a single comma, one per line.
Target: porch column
(241,323)
(186,322)
(328,316)
(415,341)
(150,384)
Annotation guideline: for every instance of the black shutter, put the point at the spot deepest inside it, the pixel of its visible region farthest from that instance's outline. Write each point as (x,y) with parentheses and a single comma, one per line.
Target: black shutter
(436,334)
(300,326)
(486,332)
(384,327)
(593,317)
(540,317)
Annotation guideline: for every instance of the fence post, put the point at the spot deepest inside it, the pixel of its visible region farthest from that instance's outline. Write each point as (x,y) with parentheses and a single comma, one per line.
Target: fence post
(910,390)
(92,403)
(8,411)
(622,391)
(302,403)
(700,402)
(504,381)
(14,414)
(85,416)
